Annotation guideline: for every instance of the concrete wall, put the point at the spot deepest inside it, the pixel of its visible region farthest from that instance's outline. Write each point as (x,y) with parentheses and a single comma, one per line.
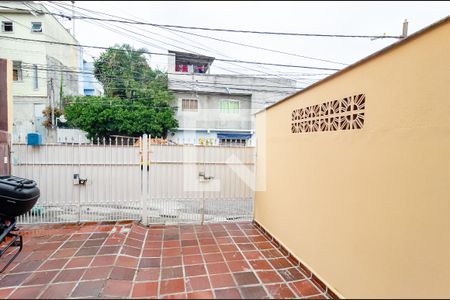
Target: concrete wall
(209,116)
(368,210)
(211,89)
(69,80)
(264,91)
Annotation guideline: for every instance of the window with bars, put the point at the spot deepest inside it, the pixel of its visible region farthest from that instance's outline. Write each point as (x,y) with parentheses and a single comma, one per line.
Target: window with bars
(189,105)
(17,71)
(7,26)
(229,106)
(233,142)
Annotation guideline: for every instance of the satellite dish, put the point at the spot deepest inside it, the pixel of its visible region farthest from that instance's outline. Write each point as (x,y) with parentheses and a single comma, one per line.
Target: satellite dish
(62,119)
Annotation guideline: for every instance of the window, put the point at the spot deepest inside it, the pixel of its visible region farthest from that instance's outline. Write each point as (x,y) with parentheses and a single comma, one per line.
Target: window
(229,106)
(7,27)
(191,68)
(233,142)
(189,105)
(17,70)
(35,77)
(89,92)
(36,26)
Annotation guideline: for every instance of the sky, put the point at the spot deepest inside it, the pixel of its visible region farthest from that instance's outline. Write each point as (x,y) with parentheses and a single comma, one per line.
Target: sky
(351,18)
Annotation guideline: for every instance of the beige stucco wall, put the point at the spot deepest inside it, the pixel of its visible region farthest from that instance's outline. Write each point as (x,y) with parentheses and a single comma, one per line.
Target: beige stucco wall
(368,210)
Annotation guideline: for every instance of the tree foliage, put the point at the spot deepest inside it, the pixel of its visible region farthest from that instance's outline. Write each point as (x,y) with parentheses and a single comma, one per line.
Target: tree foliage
(125,73)
(104,116)
(137,99)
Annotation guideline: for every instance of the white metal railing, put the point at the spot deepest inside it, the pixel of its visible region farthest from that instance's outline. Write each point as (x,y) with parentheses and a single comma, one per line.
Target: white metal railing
(134,179)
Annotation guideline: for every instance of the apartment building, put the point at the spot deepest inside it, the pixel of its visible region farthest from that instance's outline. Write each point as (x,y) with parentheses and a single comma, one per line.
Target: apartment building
(219,107)
(42,69)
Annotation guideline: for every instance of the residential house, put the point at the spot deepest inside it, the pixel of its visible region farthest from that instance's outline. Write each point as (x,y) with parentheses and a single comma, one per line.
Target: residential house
(41,70)
(219,107)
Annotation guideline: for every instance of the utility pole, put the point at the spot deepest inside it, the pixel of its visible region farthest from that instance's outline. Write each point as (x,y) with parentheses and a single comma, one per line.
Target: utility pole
(405,29)
(52,102)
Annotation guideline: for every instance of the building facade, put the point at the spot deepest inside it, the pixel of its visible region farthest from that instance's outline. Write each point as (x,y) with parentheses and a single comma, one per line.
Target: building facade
(219,108)
(91,86)
(41,70)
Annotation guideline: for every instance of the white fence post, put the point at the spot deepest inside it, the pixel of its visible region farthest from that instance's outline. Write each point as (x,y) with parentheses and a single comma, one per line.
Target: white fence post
(143,165)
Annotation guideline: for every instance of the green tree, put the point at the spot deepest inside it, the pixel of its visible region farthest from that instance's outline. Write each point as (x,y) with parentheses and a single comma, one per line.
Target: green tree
(125,73)
(102,117)
(137,99)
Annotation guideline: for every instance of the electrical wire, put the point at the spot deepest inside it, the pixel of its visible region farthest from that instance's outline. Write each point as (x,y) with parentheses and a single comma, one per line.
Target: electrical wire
(81,71)
(206,83)
(167,54)
(181,74)
(222,40)
(192,85)
(215,29)
(176,46)
(218,59)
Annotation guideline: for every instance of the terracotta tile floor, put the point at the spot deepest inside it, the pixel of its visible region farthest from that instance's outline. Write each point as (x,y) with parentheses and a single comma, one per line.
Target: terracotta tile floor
(128,260)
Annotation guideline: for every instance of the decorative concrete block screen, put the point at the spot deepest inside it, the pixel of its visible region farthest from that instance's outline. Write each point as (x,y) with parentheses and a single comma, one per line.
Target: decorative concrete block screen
(343,114)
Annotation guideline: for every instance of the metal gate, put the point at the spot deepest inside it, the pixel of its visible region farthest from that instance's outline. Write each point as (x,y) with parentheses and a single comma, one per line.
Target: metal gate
(133,179)
(82,182)
(191,183)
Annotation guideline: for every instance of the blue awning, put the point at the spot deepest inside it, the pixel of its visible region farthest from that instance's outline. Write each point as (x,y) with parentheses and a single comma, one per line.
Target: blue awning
(234,136)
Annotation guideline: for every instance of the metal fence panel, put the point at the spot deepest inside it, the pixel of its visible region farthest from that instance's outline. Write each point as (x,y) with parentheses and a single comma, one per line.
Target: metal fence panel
(158,183)
(178,195)
(111,192)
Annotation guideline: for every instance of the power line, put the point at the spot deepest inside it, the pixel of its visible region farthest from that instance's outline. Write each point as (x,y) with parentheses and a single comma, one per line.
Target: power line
(166,54)
(146,43)
(201,83)
(206,83)
(258,47)
(230,85)
(176,46)
(51,37)
(251,75)
(51,68)
(182,82)
(189,50)
(221,40)
(82,71)
(190,86)
(217,29)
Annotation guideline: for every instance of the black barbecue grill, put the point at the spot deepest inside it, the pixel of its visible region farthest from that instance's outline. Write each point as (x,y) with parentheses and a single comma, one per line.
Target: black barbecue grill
(17,197)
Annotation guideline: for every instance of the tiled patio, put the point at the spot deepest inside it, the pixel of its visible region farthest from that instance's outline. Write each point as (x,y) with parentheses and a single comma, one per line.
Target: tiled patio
(128,260)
